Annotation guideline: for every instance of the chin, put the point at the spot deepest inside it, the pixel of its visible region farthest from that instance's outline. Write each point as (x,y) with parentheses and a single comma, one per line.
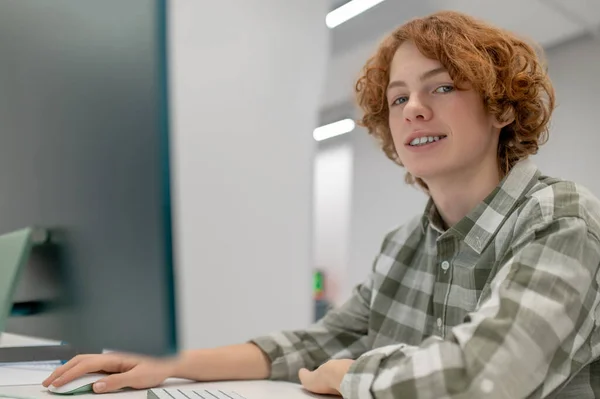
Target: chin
(425,172)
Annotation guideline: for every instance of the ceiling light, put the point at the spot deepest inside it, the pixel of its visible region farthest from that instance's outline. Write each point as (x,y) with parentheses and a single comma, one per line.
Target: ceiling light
(334,129)
(349,11)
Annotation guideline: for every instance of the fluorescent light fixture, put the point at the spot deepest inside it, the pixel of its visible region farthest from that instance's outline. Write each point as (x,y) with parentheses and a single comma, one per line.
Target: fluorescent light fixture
(333,129)
(348,11)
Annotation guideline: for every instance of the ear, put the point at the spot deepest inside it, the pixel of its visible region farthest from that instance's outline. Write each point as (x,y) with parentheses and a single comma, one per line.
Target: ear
(505,119)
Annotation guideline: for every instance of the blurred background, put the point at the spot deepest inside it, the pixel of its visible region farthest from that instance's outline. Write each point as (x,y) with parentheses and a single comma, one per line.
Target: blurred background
(278,214)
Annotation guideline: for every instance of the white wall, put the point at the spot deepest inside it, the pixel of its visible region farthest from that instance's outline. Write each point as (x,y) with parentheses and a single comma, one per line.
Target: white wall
(573,148)
(381,200)
(332,207)
(342,73)
(245,86)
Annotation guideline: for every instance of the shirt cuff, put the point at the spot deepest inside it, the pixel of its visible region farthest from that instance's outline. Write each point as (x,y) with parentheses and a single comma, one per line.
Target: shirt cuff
(359,379)
(274,352)
(360,376)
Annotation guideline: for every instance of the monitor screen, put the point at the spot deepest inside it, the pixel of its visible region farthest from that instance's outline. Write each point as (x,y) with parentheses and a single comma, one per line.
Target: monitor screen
(84,156)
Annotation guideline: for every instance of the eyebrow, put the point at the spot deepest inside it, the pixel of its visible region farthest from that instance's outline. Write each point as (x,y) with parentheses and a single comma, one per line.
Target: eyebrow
(424,76)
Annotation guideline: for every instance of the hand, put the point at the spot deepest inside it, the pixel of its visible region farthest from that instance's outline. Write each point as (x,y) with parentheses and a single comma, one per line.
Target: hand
(326,380)
(127,371)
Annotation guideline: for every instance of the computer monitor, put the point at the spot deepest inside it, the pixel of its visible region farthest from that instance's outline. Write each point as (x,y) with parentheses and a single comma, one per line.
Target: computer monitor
(84,156)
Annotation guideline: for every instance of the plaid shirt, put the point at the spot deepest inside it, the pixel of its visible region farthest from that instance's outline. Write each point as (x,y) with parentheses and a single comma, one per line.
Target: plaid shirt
(504,304)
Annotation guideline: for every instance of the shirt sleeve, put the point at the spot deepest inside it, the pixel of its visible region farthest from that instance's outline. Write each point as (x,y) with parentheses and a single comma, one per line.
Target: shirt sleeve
(341,334)
(528,338)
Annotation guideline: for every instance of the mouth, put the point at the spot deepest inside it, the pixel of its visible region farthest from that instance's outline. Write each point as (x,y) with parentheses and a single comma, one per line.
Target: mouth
(425,141)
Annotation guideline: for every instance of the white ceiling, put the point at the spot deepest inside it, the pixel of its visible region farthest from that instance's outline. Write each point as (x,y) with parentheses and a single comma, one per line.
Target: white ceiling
(549,22)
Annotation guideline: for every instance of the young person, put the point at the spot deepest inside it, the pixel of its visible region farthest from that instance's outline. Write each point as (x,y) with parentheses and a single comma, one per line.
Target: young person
(491,292)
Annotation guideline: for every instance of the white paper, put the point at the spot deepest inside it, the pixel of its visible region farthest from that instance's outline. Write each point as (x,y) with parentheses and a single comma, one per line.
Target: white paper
(25,374)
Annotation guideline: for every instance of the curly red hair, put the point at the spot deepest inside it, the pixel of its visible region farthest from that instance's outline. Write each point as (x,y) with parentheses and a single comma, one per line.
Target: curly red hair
(504,69)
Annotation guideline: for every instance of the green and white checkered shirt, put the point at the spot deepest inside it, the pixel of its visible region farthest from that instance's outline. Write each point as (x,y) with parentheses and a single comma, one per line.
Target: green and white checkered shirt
(502,305)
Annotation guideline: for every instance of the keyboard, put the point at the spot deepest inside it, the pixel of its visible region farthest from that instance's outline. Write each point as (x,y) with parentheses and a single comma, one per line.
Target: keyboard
(161,393)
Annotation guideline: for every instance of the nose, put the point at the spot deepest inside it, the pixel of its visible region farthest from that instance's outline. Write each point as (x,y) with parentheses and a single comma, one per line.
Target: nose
(417,110)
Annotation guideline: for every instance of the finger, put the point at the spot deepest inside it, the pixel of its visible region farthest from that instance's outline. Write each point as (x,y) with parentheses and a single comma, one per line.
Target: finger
(81,368)
(306,378)
(62,369)
(115,382)
(313,382)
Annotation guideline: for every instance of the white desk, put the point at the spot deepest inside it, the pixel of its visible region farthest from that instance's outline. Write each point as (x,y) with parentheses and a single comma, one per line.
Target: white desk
(249,389)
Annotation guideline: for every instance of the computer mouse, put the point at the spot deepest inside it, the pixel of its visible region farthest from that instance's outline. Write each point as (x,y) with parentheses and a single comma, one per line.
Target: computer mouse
(78,385)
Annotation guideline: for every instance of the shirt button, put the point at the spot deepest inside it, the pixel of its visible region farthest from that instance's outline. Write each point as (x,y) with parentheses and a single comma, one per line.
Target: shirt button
(445,265)
(487,386)
(439,322)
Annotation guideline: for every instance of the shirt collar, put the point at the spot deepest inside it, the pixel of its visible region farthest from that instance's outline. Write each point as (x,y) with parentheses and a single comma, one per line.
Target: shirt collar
(480,225)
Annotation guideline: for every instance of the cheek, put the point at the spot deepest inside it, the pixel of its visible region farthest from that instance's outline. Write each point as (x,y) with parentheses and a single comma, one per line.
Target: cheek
(467,117)
(396,124)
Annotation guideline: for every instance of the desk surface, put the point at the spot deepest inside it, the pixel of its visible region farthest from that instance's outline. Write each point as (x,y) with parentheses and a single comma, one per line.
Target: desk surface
(249,389)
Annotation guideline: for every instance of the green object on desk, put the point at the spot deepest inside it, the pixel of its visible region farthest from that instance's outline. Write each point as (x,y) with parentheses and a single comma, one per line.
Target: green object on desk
(14,253)
(89,388)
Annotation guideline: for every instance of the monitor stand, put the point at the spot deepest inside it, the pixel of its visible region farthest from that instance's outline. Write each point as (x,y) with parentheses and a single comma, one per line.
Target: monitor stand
(17,250)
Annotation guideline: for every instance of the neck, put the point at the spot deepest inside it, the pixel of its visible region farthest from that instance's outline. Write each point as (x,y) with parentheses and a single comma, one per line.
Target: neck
(455,196)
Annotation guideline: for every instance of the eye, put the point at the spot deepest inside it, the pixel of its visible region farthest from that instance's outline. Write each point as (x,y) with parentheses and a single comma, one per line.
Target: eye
(444,89)
(400,101)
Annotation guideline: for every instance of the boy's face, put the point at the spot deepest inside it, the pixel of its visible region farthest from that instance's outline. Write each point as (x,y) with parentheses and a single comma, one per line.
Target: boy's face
(425,105)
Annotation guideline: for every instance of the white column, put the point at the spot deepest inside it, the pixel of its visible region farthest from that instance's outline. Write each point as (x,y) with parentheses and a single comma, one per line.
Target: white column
(332,215)
(245,77)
